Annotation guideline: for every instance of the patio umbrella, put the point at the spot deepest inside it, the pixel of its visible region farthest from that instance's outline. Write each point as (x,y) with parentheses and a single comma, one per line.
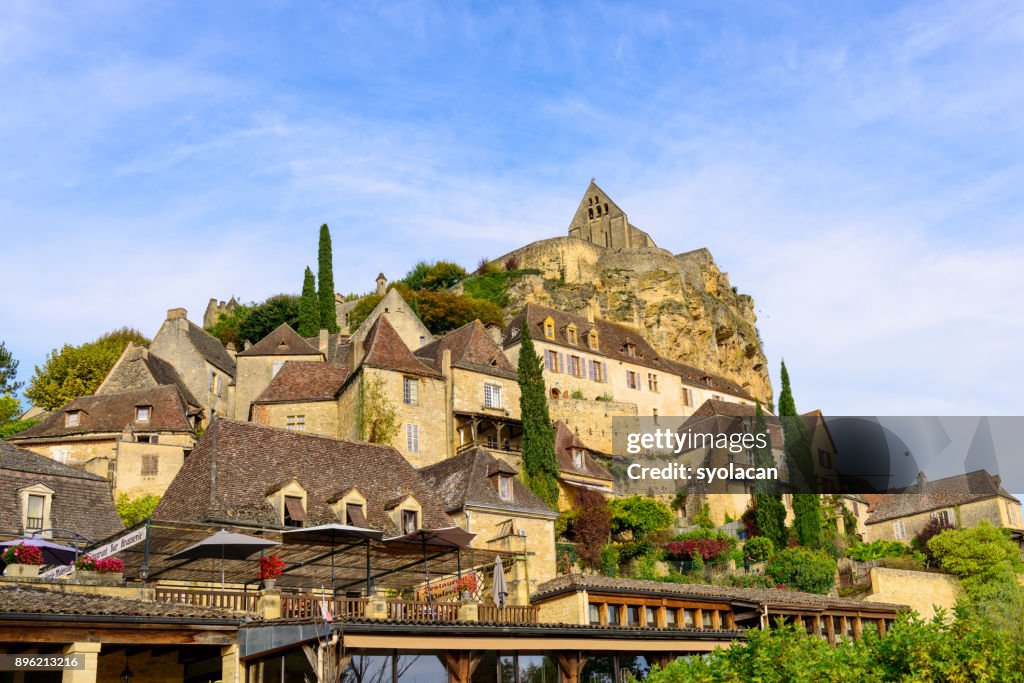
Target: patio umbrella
(328,534)
(226,545)
(52,552)
(500,588)
(449,537)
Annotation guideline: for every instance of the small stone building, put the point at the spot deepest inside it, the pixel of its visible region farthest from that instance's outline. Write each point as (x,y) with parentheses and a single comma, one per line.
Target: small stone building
(258,365)
(600,221)
(577,468)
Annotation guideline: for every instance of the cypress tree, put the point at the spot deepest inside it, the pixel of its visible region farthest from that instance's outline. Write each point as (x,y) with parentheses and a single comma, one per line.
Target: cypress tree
(540,464)
(309,307)
(325,280)
(769,511)
(807,518)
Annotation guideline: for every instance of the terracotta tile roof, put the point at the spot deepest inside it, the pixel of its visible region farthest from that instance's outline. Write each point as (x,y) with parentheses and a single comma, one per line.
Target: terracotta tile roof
(81,502)
(236,463)
(20,599)
(386,350)
(936,495)
(108,413)
(464,480)
(613,340)
(565,441)
(210,348)
(772,597)
(472,348)
(283,341)
(298,381)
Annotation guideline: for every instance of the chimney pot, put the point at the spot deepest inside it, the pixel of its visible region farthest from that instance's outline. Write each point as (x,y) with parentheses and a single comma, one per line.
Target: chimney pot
(177,314)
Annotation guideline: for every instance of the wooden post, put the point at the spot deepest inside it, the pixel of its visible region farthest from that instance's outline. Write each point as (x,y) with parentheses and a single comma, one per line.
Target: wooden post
(881,628)
(858,628)
(799,621)
(698,618)
(716,620)
(817,626)
(571,666)
(830,629)
(460,665)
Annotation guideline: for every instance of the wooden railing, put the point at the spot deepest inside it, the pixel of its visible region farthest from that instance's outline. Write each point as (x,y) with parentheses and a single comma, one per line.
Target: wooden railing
(202,597)
(417,610)
(510,614)
(296,606)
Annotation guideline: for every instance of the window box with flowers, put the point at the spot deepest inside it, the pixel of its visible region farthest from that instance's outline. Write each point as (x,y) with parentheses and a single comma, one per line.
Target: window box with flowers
(22,560)
(105,570)
(271,567)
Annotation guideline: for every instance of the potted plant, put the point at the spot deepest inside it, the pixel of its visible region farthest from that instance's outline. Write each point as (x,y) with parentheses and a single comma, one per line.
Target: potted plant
(271,567)
(85,566)
(22,560)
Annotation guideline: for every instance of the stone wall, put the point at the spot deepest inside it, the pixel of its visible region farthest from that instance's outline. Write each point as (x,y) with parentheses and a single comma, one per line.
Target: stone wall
(173,344)
(130,479)
(320,417)
(590,419)
(570,608)
(538,542)
(253,375)
(921,591)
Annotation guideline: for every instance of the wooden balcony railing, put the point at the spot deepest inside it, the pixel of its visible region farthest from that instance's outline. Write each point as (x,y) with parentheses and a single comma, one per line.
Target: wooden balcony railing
(239,601)
(295,606)
(416,610)
(510,614)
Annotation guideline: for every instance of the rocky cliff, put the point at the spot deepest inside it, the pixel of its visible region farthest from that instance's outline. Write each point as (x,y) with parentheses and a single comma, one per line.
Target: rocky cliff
(683,302)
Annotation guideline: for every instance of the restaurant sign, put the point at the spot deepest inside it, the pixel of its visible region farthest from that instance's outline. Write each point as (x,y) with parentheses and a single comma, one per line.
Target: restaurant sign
(106,550)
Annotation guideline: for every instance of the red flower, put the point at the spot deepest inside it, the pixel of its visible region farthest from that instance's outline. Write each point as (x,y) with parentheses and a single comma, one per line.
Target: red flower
(707,548)
(271,567)
(23,554)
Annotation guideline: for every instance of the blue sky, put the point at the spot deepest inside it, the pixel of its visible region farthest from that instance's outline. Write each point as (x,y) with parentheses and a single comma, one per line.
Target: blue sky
(855,166)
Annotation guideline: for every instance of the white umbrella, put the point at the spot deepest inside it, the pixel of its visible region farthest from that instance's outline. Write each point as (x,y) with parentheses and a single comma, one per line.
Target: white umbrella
(500,588)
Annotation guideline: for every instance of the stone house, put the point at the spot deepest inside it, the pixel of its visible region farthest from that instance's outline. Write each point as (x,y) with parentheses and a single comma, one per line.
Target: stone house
(203,364)
(258,364)
(577,468)
(246,473)
(483,495)
(962,501)
(139,368)
(303,397)
(137,440)
(402,317)
(45,497)
(482,389)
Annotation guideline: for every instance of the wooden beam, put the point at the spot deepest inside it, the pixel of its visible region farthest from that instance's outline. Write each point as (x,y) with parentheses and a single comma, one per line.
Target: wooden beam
(858,628)
(102,634)
(830,629)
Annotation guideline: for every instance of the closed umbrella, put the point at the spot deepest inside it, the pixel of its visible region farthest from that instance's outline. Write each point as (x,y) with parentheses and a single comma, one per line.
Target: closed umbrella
(500,588)
(52,552)
(226,545)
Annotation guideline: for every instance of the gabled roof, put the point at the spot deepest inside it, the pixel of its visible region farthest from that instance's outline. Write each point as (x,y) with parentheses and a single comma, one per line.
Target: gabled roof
(565,441)
(108,413)
(299,381)
(937,495)
(283,341)
(465,480)
(139,368)
(81,502)
(236,463)
(210,348)
(386,350)
(472,348)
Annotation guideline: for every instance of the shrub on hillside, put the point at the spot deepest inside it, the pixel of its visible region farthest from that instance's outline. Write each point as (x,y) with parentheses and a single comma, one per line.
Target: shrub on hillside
(803,569)
(758,548)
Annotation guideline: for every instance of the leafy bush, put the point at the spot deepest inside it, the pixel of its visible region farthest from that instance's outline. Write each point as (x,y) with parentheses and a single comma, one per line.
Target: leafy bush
(609,560)
(645,566)
(691,549)
(803,569)
(566,556)
(934,527)
(12,428)
(876,550)
(591,527)
(434,276)
(134,510)
(639,516)
(977,554)
(759,548)
(493,285)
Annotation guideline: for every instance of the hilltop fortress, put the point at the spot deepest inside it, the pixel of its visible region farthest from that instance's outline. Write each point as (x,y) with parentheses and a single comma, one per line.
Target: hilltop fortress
(683,303)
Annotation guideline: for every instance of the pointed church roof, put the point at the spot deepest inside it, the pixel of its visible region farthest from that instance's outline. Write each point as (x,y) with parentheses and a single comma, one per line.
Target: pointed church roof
(283,341)
(386,350)
(472,348)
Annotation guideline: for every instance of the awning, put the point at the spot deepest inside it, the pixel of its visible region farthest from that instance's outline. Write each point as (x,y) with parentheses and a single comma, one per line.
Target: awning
(294,508)
(448,537)
(326,534)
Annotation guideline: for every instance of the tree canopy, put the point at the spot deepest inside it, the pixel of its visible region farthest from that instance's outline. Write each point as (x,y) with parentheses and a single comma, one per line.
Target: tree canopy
(8,371)
(539,461)
(73,371)
(434,276)
(441,311)
(309,307)
(264,318)
(325,282)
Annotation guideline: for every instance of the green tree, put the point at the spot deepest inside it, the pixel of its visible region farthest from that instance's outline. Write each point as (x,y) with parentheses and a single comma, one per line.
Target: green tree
(639,516)
(10,408)
(228,327)
(769,511)
(8,371)
(325,278)
(264,318)
(134,510)
(75,371)
(434,276)
(539,461)
(441,311)
(807,517)
(309,307)
(803,569)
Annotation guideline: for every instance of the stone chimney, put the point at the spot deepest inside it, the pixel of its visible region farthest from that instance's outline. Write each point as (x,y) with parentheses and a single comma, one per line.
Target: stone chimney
(177,314)
(590,312)
(922,479)
(247,345)
(494,330)
(323,342)
(382,284)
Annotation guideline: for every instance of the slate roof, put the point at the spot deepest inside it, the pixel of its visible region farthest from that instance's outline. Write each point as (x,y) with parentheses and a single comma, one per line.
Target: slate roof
(612,341)
(81,502)
(210,348)
(339,347)
(772,597)
(464,480)
(565,441)
(21,599)
(235,464)
(937,495)
(282,341)
(107,413)
(299,381)
(386,350)
(472,348)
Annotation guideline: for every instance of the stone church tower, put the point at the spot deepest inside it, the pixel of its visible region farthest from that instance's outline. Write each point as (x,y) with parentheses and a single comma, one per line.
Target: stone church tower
(600,221)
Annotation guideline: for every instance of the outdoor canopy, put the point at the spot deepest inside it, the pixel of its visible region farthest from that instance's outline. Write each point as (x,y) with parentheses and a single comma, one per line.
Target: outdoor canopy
(227,545)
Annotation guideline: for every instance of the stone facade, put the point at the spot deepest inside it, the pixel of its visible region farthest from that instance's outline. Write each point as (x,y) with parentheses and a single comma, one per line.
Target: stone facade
(591,419)
(600,221)
(530,535)
(255,373)
(401,316)
(315,417)
(921,591)
(995,510)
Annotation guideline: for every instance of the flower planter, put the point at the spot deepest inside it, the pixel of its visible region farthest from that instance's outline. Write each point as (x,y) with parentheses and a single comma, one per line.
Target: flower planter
(269,584)
(100,577)
(22,570)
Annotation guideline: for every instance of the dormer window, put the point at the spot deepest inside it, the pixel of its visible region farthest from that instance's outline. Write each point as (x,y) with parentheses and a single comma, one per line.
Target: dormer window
(410,521)
(142,413)
(570,334)
(73,418)
(505,487)
(549,328)
(592,340)
(35,509)
(577,458)
(631,349)
(294,511)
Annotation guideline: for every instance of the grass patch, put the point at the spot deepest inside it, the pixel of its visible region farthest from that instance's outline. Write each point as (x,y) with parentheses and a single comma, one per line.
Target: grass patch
(493,286)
